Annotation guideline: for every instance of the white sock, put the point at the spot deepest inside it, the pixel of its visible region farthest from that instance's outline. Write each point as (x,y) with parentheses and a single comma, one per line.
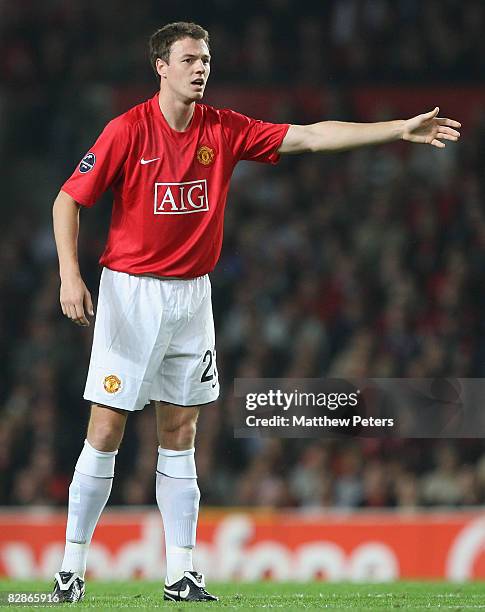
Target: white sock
(178,500)
(88,494)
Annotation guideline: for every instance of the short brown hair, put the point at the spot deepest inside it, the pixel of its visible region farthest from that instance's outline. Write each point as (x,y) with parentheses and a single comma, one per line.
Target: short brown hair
(162,40)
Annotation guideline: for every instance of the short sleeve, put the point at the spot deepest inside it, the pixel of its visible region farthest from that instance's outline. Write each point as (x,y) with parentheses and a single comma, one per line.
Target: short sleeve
(252,139)
(101,165)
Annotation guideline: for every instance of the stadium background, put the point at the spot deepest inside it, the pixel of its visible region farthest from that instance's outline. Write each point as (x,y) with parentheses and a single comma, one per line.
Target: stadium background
(367,263)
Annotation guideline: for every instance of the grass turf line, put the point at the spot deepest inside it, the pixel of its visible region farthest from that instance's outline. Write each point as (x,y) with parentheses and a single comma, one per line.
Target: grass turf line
(270,595)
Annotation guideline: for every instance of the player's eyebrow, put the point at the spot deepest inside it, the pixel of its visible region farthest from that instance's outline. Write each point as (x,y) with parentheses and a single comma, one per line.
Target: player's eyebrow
(203,56)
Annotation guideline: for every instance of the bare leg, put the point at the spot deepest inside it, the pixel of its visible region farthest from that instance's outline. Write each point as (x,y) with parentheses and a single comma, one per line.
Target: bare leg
(106,427)
(176,426)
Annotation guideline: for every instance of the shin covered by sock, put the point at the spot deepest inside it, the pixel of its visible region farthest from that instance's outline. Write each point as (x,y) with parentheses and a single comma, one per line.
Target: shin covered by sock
(88,494)
(178,499)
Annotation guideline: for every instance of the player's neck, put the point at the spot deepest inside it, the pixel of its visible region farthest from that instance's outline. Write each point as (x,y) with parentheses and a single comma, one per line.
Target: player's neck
(177,113)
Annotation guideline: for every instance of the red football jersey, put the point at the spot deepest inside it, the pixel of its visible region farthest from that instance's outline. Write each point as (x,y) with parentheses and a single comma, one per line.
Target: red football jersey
(169,187)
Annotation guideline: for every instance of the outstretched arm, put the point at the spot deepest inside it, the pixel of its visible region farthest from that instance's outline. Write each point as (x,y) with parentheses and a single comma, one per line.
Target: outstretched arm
(74,296)
(427,128)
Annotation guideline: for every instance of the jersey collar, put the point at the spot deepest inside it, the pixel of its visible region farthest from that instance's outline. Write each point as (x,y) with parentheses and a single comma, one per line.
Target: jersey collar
(159,116)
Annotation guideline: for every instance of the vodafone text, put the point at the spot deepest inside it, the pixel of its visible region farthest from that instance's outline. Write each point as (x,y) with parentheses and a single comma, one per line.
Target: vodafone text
(181,198)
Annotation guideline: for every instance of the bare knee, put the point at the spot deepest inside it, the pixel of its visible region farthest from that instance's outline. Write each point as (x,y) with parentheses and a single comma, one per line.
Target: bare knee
(176,425)
(178,436)
(106,427)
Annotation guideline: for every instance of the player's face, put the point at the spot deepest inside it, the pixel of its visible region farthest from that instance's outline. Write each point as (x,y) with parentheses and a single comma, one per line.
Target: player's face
(188,70)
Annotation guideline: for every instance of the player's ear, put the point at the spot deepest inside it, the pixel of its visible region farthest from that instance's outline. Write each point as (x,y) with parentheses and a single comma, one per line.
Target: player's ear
(161,67)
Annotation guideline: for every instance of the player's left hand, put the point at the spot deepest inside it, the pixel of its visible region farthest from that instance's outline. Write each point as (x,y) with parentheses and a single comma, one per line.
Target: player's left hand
(428,128)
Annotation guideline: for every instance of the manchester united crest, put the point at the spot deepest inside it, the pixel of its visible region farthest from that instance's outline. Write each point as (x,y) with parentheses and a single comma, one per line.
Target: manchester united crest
(112,383)
(205,155)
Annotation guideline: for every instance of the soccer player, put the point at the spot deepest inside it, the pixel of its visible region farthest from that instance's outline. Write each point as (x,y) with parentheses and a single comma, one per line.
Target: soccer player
(168,161)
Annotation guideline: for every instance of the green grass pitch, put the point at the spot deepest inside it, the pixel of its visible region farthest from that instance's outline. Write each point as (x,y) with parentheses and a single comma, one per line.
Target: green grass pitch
(271,595)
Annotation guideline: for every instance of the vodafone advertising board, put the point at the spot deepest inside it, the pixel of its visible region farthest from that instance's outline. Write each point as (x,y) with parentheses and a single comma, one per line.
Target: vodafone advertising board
(251,546)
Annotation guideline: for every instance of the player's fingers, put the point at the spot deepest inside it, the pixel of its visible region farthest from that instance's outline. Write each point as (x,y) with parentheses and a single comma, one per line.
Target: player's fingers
(450,122)
(447,130)
(63,308)
(82,322)
(71,312)
(447,137)
(80,316)
(437,143)
(88,303)
(431,114)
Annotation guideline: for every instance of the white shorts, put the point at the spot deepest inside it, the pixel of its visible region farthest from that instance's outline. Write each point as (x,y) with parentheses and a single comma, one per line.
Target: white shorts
(153,340)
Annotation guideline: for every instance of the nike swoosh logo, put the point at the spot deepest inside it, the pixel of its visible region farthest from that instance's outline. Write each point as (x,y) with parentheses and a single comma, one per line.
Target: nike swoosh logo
(184,594)
(147,161)
(64,586)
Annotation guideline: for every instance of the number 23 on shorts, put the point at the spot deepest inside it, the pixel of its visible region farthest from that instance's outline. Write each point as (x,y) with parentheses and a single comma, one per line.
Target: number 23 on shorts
(209,373)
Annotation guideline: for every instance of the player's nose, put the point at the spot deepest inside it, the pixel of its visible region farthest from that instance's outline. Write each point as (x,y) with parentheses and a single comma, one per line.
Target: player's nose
(200,67)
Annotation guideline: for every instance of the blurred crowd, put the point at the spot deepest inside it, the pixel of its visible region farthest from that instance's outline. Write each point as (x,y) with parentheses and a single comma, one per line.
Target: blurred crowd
(365,264)
(66,42)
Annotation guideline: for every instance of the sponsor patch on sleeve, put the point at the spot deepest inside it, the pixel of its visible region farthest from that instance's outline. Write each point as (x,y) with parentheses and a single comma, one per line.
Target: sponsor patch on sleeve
(87,163)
